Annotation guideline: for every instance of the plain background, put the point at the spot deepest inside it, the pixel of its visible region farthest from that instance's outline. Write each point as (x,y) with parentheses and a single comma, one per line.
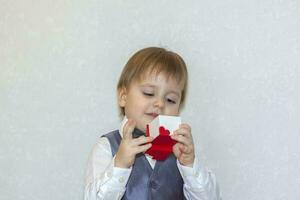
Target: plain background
(59,65)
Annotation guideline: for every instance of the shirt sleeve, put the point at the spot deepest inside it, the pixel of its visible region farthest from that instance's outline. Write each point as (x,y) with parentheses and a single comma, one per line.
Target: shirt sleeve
(103,180)
(199,182)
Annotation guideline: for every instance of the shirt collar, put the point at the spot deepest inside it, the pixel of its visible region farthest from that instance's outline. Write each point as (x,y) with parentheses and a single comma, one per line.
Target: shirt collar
(125,119)
(136,132)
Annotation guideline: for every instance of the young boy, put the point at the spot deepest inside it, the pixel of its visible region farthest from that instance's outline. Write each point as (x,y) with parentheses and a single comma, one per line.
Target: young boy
(153,82)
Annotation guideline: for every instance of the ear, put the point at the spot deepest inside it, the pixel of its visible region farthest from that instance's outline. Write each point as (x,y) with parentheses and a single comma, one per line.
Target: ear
(122,95)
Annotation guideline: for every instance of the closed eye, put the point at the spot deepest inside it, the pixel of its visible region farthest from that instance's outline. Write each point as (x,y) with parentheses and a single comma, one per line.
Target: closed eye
(171,101)
(148,94)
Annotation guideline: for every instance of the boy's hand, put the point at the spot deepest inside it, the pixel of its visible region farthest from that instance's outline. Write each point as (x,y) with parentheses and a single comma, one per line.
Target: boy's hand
(184,148)
(129,146)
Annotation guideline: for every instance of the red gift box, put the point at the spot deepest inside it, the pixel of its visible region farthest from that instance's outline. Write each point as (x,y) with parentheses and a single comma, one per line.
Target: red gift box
(162,145)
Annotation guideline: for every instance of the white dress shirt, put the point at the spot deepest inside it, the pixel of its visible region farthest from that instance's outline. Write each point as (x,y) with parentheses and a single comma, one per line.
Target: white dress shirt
(106,182)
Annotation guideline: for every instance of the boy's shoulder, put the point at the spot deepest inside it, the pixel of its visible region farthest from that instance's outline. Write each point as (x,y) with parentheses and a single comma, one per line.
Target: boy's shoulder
(111,133)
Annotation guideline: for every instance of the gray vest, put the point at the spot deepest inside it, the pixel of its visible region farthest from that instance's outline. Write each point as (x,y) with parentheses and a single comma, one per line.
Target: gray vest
(164,182)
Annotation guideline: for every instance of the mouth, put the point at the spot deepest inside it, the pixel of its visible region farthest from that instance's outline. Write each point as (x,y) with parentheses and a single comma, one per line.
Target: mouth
(152,114)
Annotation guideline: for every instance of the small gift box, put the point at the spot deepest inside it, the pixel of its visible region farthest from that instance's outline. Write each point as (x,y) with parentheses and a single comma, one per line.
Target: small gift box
(160,129)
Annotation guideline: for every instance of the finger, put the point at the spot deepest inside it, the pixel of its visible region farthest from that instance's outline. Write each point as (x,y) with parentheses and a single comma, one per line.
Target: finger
(176,150)
(184,131)
(142,148)
(183,148)
(185,126)
(142,140)
(182,139)
(180,149)
(128,129)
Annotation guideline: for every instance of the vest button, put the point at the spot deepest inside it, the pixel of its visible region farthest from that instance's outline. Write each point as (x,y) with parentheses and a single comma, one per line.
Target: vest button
(153,185)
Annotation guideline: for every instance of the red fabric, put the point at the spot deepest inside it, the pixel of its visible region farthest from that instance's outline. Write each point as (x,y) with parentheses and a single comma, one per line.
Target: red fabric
(162,145)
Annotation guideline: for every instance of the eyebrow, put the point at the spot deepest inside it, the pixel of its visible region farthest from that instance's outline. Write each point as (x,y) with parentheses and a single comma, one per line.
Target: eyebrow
(154,86)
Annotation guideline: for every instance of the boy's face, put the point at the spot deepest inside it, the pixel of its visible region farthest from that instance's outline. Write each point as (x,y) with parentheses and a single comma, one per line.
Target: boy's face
(155,95)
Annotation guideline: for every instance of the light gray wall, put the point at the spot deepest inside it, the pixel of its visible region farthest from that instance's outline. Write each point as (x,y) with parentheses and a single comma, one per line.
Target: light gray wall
(60,61)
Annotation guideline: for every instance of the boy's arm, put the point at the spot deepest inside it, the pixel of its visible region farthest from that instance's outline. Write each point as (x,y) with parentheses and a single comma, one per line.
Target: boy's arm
(103,180)
(199,183)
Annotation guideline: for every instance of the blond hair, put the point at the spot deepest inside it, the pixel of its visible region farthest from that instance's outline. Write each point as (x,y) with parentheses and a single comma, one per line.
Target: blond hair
(154,60)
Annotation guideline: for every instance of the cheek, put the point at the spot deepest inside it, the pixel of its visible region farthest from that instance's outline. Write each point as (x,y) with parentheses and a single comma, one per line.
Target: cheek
(142,101)
(138,104)
(174,110)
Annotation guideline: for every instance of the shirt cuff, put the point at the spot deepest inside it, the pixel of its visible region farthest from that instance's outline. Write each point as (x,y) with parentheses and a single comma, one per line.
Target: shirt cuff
(193,177)
(118,176)
(112,183)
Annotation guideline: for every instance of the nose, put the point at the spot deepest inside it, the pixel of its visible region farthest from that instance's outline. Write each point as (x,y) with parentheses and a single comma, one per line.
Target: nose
(159,102)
